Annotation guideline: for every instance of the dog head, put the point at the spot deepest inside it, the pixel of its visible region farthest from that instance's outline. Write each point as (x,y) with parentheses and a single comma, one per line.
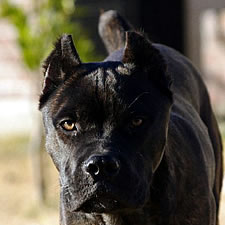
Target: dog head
(106,123)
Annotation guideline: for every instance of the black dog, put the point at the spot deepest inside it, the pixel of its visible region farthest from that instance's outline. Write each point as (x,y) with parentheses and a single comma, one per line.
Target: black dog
(134,138)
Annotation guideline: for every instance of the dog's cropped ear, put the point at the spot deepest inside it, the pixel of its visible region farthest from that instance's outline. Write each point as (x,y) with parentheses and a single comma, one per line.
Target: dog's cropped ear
(59,65)
(140,53)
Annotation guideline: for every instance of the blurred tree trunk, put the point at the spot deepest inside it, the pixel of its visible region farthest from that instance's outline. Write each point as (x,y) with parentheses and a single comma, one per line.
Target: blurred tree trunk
(36,145)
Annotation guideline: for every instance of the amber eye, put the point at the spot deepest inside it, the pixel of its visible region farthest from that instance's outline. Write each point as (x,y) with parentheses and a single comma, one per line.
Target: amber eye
(136,122)
(68,125)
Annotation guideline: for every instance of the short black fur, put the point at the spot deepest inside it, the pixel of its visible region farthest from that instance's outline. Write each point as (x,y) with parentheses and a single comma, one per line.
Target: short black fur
(141,151)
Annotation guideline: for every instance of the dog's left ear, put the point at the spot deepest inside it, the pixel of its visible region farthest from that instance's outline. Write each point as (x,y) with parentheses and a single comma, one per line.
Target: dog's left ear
(59,65)
(143,55)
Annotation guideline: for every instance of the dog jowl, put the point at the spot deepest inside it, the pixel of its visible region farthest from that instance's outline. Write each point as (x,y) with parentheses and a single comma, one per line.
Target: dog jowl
(130,147)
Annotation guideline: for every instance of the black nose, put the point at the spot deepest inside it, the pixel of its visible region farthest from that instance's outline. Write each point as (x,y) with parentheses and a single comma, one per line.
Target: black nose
(102,166)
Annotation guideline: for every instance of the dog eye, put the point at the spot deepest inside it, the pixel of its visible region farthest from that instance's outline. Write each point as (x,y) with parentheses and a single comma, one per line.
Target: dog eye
(68,125)
(137,122)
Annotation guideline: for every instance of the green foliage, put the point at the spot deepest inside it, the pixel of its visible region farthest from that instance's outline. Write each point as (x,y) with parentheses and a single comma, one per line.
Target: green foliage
(40,26)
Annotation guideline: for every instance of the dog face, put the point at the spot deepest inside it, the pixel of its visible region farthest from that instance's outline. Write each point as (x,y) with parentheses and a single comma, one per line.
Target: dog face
(106,124)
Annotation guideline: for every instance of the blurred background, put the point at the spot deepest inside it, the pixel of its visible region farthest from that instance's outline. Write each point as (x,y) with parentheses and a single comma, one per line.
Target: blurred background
(29,191)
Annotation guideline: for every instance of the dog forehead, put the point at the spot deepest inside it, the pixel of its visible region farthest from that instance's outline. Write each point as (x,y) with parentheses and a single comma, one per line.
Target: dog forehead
(97,85)
(108,85)
(102,78)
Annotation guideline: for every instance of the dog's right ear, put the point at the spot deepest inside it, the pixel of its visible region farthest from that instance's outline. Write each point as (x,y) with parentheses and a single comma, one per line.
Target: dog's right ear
(58,66)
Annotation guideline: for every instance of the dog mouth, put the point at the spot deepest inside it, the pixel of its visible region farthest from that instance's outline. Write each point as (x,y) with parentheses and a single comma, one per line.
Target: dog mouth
(101,198)
(99,204)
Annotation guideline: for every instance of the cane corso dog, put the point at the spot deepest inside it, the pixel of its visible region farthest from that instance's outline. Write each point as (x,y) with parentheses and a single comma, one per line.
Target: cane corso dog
(134,137)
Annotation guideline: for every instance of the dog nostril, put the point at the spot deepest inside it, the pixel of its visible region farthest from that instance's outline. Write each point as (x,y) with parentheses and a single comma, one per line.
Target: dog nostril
(92,169)
(112,167)
(102,166)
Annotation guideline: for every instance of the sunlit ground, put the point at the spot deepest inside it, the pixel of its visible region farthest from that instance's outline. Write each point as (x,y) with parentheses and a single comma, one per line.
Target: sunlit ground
(18,203)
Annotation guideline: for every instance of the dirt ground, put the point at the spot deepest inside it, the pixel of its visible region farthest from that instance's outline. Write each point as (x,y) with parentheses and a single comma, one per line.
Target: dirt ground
(18,202)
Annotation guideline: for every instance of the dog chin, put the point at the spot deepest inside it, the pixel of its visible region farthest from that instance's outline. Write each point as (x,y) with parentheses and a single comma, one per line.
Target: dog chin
(100,205)
(102,199)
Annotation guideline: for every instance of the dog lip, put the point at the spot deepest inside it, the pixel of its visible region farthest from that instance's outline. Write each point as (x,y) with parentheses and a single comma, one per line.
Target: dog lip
(100,204)
(100,200)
